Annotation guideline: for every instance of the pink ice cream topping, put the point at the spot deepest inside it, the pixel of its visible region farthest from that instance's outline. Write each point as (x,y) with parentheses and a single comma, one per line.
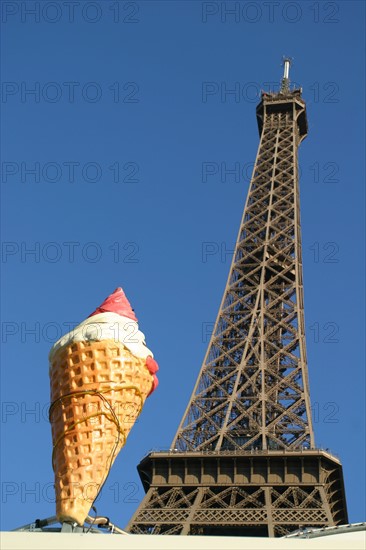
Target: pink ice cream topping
(116,303)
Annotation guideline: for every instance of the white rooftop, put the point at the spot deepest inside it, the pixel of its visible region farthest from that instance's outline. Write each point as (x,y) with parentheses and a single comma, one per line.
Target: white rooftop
(350,537)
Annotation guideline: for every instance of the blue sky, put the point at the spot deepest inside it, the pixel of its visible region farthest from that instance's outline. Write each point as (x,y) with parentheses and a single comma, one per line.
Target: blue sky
(131,133)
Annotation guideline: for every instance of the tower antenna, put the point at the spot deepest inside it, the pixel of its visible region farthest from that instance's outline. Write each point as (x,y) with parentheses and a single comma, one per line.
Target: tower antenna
(285,83)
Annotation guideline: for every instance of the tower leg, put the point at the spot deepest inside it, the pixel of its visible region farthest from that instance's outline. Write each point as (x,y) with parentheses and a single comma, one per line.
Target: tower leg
(267,493)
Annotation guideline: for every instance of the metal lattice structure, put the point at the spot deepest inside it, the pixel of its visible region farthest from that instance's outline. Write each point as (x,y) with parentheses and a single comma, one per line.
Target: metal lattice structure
(244,460)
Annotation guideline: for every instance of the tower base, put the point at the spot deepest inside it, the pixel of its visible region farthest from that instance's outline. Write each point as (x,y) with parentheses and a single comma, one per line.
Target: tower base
(236,493)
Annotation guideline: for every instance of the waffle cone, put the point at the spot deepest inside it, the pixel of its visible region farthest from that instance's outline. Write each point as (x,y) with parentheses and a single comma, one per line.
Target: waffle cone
(97,392)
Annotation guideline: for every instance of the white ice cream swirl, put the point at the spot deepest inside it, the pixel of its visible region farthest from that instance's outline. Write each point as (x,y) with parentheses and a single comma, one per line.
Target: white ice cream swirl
(107,326)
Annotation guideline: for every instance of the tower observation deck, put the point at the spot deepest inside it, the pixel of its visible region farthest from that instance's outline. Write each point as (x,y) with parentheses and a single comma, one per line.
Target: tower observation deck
(244,460)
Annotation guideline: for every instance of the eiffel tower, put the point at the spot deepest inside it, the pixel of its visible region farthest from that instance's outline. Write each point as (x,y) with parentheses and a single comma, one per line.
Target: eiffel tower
(243,461)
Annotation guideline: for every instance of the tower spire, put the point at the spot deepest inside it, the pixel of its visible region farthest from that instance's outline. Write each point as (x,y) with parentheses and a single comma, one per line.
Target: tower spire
(285,82)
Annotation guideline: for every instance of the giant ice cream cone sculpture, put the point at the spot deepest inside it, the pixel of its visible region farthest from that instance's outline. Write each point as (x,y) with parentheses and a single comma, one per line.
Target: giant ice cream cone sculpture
(100,373)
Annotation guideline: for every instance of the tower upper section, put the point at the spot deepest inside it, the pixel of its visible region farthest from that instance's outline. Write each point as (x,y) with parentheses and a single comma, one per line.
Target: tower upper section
(288,103)
(284,106)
